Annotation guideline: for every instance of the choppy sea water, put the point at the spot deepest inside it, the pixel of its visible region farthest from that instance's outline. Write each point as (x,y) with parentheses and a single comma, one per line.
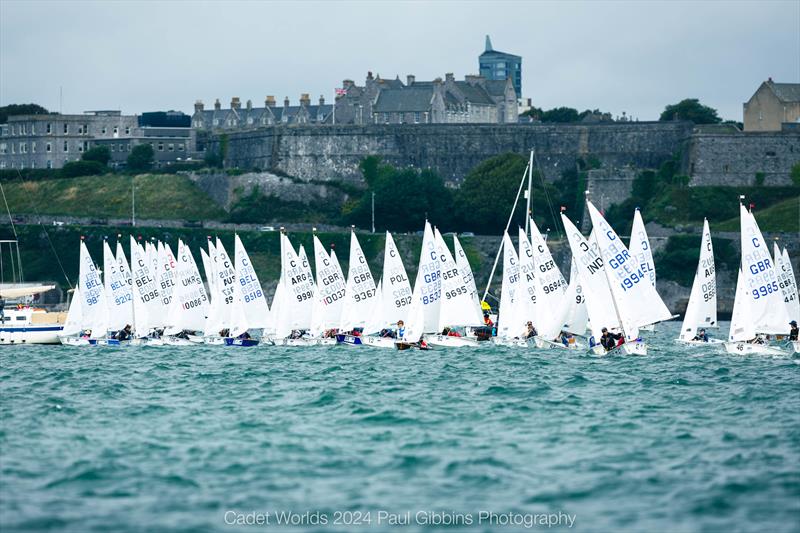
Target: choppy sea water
(177,439)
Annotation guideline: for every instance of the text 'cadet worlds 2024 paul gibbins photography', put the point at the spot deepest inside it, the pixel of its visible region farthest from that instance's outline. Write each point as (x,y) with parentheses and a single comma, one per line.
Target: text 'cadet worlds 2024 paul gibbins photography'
(529,270)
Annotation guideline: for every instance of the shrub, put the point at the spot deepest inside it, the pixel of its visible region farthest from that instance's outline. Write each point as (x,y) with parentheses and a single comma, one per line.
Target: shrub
(74,169)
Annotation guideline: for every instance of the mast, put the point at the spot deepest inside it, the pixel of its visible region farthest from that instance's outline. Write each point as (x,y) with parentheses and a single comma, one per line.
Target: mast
(529,194)
(608,280)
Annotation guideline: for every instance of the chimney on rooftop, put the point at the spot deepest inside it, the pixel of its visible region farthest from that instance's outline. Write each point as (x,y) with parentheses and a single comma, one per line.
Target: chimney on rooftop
(270,101)
(217,105)
(235,103)
(198,106)
(249,105)
(410,79)
(286,102)
(321,100)
(305,99)
(449,77)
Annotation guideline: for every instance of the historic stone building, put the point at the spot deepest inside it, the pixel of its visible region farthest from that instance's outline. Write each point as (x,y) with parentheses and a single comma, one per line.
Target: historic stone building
(49,141)
(474,100)
(237,117)
(772,106)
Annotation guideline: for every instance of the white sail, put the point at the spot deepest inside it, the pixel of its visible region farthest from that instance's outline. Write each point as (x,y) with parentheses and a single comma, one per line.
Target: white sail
(145,291)
(375,322)
(360,294)
(526,295)
(572,309)
(786,282)
(395,285)
(253,302)
(509,325)
(95,308)
(742,326)
(701,311)
(74,322)
(428,285)
(639,246)
(223,299)
(793,302)
(189,300)
(151,251)
(466,272)
(119,299)
(458,306)
(415,319)
(551,286)
(592,278)
(166,280)
(124,269)
(636,301)
(767,308)
(329,292)
(207,269)
(297,300)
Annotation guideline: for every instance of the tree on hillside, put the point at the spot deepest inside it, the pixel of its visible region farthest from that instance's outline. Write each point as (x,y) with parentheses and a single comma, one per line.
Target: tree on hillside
(690,109)
(487,195)
(141,158)
(101,154)
(21,109)
(403,198)
(557,114)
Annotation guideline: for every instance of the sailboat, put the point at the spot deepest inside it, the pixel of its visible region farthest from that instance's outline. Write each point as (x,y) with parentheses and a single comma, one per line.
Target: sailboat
(701,311)
(788,284)
(329,295)
(458,309)
(635,300)
(758,308)
(360,292)
(187,313)
(293,302)
(392,304)
(146,301)
(94,308)
(223,294)
(572,311)
(423,315)
(510,318)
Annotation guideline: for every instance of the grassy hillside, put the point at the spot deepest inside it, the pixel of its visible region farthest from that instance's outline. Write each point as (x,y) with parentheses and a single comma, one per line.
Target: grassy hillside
(782,216)
(157,196)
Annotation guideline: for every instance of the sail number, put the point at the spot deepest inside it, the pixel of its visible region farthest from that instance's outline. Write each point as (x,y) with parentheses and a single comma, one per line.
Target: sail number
(764,290)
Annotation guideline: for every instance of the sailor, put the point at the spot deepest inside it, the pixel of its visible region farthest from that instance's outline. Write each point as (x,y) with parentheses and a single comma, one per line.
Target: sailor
(701,336)
(609,340)
(124,334)
(245,335)
(565,338)
(401,329)
(530,331)
(793,332)
(486,320)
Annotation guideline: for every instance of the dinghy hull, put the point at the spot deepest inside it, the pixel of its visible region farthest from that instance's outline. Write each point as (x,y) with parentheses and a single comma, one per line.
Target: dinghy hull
(445,341)
(746,348)
(629,348)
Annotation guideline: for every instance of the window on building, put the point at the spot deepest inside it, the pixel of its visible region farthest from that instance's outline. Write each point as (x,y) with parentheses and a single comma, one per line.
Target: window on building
(128,147)
(66,147)
(3,148)
(33,147)
(161,147)
(80,129)
(23,148)
(49,164)
(180,147)
(13,150)
(249,120)
(2,164)
(104,130)
(23,129)
(116,131)
(48,148)
(171,147)
(80,147)
(216,122)
(127,130)
(49,128)
(416,117)
(113,147)
(12,129)
(33,129)
(725,169)
(33,164)
(86,129)
(66,128)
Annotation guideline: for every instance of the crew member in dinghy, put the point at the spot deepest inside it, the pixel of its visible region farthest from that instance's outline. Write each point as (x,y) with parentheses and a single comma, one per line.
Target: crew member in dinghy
(401,329)
(793,331)
(610,340)
(701,336)
(530,331)
(124,334)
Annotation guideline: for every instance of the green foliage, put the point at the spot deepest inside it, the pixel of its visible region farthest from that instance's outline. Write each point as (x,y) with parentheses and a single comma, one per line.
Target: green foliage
(27,174)
(141,158)
(796,174)
(21,109)
(74,169)
(217,158)
(403,199)
(560,114)
(256,208)
(101,154)
(107,196)
(783,216)
(676,260)
(690,109)
(487,195)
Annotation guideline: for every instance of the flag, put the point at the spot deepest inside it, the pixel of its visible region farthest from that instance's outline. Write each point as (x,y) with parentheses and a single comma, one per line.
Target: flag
(340,91)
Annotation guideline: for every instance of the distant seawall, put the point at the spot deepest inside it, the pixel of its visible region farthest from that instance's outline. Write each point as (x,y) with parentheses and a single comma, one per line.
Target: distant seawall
(333,152)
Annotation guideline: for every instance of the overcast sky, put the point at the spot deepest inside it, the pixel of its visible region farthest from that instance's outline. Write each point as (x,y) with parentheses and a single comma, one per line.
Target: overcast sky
(617,56)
